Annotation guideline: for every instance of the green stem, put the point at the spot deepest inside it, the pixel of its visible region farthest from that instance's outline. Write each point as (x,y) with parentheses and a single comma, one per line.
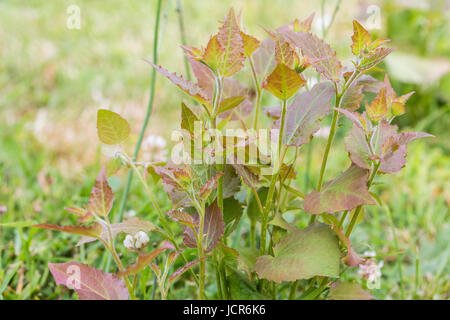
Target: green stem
(270,193)
(201,254)
(258,93)
(183,37)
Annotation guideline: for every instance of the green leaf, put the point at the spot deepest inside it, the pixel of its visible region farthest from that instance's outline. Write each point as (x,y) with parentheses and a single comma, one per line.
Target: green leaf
(374,58)
(111,127)
(144,260)
(348,291)
(361,38)
(188,119)
(305,112)
(230,103)
(283,82)
(17,224)
(247,259)
(242,289)
(303,254)
(253,210)
(346,192)
(112,166)
(232,210)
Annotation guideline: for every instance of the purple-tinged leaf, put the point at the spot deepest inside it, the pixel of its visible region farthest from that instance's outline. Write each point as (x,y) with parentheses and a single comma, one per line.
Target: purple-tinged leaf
(351,259)
(101,197)
(144,260)
(328,65)
(210,185)
(303,254)
(250,178)
(346,192)
(213,229)
(305,112)
(93,231)
(273,112)
(184,268)
(230,38)
(264,57)
(348,291)
(352,97)
(233,89)
(89,283)
(187,86)
(205,77)
(182,217)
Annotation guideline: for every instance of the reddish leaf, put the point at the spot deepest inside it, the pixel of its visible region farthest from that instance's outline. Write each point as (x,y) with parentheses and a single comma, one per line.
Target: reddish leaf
(101,197)
(234,90)
(184,268)
(328,65)
(144,260)
(346,192)
(352,97)
(351,259)
(205,77)
(229,37)
(187,86)
(264,57)
(89,283)
(210,185)
(183,217)
(214,54)
(90,231)
(213,229)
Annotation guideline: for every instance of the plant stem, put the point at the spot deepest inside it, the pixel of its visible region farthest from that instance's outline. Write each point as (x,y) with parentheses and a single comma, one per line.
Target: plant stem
(183,37)
(258,93)
(270,193)
(201,254)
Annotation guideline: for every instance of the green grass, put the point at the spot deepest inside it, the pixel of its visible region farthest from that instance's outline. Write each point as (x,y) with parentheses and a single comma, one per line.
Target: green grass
(52,80)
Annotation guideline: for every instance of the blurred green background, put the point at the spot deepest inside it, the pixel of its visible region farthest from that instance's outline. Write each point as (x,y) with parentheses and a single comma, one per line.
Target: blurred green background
(52,80)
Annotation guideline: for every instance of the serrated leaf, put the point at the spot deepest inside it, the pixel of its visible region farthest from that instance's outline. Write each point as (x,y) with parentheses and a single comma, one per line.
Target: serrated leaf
(250,179)
(89,283)
(327,63)
(209,185)
(101,197)
(378,108)
(213,229)
(229,37)
(213,54)
(361,38)
(187,86)
(303,254)
(283,82)
(250,44)
(345,192)
(231,181)
(374,58)
(264,57)
(305,112)
(205,77)
(188,119)
(111,127)
(348,291)
(144,260)
(284,52)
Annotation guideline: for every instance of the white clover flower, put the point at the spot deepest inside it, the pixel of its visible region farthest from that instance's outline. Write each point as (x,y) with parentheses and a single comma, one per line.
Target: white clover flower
(141,239)
(154,148)
(128,242)
(370,270)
